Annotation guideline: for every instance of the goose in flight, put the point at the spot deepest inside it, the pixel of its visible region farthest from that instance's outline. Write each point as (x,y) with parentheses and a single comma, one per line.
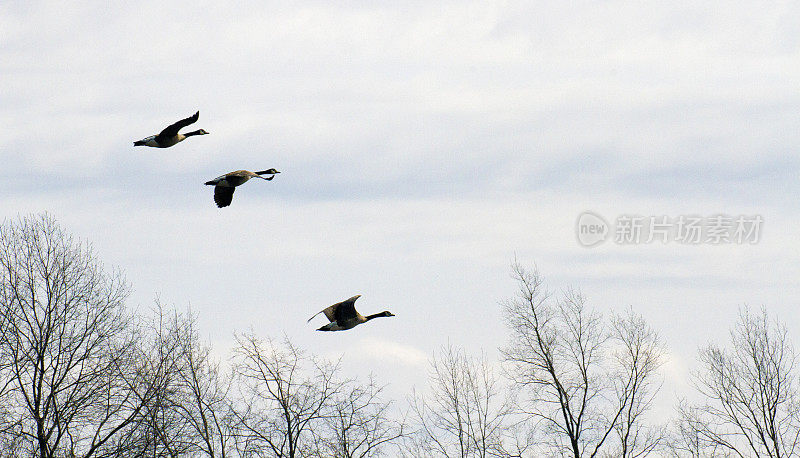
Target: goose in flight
(224,185)
(343,315)
(170,135)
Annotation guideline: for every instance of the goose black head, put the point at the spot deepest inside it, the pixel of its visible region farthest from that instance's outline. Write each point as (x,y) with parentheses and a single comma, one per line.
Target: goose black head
(270,172)
(385,313)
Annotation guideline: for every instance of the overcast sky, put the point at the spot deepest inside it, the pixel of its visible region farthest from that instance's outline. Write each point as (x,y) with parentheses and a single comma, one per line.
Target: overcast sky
(423,146)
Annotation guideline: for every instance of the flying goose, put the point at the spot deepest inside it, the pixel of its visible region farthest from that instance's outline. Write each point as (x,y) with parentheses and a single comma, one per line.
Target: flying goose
(170,135)
(343,315)
(224,185)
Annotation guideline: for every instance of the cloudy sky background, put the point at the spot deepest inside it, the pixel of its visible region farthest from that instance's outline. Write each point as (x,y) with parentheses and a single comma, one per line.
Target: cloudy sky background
(423,146)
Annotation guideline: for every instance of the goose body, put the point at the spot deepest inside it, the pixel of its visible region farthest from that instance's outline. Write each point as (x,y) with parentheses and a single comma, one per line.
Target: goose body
(224,185)
(170,136)
(343,315)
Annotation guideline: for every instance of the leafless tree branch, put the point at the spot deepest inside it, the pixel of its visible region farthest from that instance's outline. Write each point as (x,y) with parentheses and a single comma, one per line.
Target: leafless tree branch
(751,402)
(586,382)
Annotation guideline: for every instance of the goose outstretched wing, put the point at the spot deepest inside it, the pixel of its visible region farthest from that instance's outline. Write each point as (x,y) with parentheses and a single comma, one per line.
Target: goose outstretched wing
(346,310)
(223,195)
(340,311)
(172,130)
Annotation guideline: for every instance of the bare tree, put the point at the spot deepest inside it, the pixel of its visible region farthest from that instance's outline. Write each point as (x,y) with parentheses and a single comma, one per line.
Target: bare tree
(282,396)
(587,385)
(751,401)
(80,376)
(467,413)
(188,412)
(68,353)
(160,429)
(686,438)
(10,425)
(637,354)
(358,423)
(204,402)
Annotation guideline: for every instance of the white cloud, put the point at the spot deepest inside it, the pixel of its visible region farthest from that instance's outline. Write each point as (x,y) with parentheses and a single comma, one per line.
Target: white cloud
(376,349)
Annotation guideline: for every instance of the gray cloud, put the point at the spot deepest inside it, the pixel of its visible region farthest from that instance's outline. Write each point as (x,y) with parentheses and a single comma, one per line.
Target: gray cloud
(422,145)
